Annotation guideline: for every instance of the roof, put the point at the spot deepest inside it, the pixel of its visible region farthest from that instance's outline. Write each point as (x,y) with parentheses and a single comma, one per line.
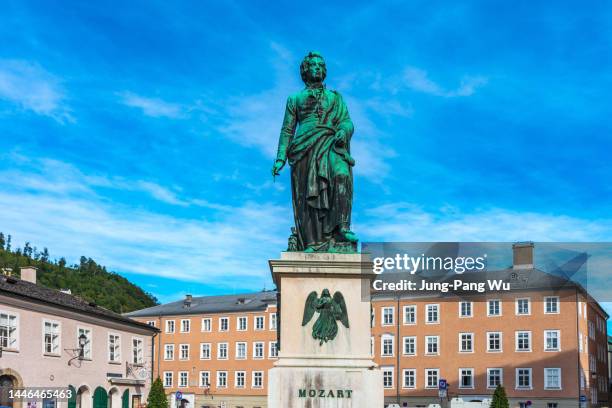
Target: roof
(32,292)
(246,302)
(520,279)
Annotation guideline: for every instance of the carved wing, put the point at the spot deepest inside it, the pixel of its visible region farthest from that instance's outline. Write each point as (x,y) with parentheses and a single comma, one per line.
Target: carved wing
(309,307)
(339,301)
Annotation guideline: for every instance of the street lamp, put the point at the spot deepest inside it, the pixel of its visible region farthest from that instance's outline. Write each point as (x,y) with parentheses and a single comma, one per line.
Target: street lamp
(81,350)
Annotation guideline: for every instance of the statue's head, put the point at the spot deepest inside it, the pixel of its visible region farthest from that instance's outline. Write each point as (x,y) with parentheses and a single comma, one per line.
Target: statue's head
(313,69)
(325,293)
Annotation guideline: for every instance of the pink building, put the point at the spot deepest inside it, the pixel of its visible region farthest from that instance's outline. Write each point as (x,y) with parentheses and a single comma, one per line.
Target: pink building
(53,340)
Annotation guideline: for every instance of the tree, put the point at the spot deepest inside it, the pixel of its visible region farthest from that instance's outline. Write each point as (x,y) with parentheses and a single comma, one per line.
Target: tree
(500,400)
(157,396)
(2,241)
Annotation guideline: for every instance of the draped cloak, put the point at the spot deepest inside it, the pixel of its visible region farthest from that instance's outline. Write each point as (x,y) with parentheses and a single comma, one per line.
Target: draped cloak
(321,174)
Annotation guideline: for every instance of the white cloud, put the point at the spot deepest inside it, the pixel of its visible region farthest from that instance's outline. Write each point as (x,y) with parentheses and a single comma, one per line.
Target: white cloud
(408,222)
(30,87)
(153,107)
(71,216)
(418,80)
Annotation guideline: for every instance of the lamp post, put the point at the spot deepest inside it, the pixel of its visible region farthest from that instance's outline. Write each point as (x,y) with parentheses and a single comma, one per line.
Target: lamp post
(81,350)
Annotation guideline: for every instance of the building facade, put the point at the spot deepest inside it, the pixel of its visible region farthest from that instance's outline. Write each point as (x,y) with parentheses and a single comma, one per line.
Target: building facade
(545,341)
(215,350)
(52,340)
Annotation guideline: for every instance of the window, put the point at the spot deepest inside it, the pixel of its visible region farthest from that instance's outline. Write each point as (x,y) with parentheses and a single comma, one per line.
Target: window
(551,340)
(184,352)
(431,377)
(272,321)
(257,379)
(137,351)
(580,348)
(222,351)
(387,316)
(494,341)
(466,378)
(552,405)
(410,346)
(168,351)
(51,337)
(241,351)
(523,341)
(410,378)
(431,345)
(224,324)
(273,352)
(204,378)
(221,379)
(466,342)
(522,306)
(432,313)
(205,351)
(168,378)
(206,324)
(87,346)
(495,377)
(258,350)
(260,322)
(114,348)
(241,323)
(387,377)
(523,378)
(410,314)
(151,323)
(185,325)
(386,345)
(552,378)
(551,304)
(239,379)
(183,379)
(465,309)
(494,308)
(169,326)
(8,331)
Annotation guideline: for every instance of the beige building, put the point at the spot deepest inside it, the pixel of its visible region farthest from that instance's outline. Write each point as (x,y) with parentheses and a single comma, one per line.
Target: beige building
(216,350)
(545,341)
(54,340)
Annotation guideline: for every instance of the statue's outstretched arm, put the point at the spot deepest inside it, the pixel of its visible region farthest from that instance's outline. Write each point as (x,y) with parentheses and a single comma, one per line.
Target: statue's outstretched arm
(287,130)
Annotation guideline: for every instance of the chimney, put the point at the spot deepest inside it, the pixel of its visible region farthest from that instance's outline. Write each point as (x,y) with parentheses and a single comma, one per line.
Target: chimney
(28,274)
(187,302)
(522,255)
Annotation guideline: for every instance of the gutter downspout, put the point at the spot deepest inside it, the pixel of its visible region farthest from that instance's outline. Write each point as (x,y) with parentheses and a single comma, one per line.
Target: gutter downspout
(397,347)
(578,311)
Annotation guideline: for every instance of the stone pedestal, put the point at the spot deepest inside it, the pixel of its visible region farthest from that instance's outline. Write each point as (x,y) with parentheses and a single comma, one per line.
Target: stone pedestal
(339,373)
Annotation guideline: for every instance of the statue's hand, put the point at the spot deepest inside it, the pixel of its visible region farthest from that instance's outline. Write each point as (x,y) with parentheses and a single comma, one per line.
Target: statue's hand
(278,165)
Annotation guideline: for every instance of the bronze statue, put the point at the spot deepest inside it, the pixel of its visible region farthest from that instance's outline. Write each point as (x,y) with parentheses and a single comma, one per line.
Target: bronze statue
(321,164)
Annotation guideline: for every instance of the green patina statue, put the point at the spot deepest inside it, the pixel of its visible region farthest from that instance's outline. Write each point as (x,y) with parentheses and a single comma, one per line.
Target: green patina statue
(321,164)
(330,309)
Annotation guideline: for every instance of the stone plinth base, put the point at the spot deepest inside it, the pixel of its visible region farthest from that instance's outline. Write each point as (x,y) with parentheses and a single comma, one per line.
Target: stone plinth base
(310,387)
(310,373)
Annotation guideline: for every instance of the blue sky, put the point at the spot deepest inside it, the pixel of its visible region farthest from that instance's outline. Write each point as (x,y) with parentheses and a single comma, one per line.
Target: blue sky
(142,133)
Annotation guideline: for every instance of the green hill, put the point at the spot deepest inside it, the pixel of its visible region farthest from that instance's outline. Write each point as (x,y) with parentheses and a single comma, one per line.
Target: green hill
(87,279)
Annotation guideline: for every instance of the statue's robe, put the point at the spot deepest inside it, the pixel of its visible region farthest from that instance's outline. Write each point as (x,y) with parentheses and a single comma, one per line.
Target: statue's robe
(321,174)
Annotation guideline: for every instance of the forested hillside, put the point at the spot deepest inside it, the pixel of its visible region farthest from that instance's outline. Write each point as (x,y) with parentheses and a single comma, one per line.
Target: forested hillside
(87,279)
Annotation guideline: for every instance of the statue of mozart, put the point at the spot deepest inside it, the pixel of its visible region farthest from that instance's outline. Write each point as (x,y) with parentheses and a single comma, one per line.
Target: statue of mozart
(315,138)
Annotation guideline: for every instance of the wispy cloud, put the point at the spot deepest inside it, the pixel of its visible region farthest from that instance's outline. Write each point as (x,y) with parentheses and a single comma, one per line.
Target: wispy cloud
(30,87)
(418,80)
(81,220)
(405,221)
(154,107)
